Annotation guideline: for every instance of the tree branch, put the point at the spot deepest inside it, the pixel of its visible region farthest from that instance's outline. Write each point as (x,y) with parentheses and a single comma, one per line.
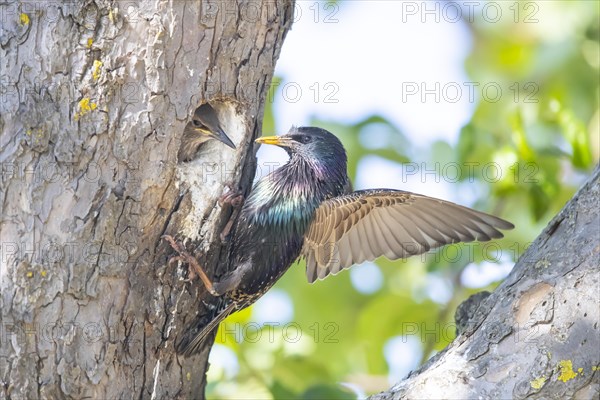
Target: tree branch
(537,334)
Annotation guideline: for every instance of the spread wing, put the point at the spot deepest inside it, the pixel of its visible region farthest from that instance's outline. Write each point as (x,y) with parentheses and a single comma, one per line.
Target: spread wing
(366,224)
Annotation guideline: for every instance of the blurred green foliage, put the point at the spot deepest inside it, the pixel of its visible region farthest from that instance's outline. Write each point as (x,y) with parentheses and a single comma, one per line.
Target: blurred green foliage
(544,136)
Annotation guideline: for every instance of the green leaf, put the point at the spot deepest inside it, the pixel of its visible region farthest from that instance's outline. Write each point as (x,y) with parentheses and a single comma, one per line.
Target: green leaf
(328,392)
(298,372)
(519,138)
(540,202)
(279,391)
(577,135)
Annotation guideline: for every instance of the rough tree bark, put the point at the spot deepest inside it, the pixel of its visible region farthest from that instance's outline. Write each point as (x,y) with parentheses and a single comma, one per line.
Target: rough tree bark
(95,96)
(537,335)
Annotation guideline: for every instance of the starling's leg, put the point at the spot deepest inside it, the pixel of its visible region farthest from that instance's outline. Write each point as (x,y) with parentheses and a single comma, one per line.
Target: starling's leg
(236,199)
(196,269)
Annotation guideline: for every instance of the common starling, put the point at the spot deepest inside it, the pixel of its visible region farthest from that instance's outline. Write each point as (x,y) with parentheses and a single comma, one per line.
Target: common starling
(307,208)
(203,127)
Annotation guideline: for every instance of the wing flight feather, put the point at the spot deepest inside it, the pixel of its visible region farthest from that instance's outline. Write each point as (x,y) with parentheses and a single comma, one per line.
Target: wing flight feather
(364,225)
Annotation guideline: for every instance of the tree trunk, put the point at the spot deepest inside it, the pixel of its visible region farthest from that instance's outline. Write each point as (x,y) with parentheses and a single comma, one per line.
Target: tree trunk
(95,96)
(537,334)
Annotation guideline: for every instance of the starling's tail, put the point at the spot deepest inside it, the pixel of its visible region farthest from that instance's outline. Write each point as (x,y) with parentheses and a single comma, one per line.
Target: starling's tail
(195,333)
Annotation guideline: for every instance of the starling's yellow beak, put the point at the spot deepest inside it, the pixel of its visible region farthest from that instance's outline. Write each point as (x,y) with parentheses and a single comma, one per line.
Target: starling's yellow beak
(269,140)
(281,141)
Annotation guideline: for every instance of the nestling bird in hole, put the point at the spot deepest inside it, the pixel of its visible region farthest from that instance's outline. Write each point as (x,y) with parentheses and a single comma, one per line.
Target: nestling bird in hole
(307,209)
(203,127)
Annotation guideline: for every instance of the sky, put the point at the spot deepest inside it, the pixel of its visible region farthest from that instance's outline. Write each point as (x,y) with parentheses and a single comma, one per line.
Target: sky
(349,62)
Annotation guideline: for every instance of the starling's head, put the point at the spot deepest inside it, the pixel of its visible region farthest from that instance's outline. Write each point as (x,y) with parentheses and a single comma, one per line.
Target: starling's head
(317,170)
(203,127)
(315,145)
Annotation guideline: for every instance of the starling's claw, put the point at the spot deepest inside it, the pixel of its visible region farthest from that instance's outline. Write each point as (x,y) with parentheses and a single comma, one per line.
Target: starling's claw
(176,246)
(194,268)
(191,273)
(233,197)
(236,199)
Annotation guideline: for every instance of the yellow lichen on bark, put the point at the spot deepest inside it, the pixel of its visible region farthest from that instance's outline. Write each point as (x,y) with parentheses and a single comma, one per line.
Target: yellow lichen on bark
(538,383)
(96,69)
(566,370)
(85,106)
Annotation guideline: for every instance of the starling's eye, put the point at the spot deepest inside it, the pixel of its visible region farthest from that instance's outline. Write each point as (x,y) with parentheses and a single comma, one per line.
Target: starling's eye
(302,139)
(196,123)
